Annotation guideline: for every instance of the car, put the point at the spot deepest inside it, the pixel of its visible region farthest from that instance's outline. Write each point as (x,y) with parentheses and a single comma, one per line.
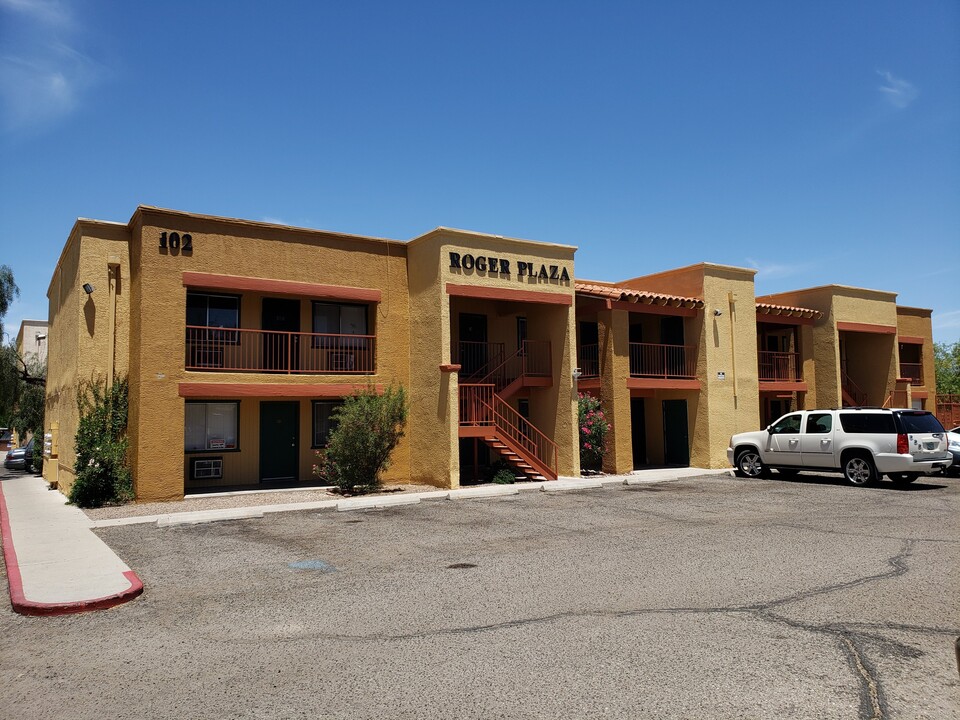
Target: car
(953,439)
(21,458)
(862,443)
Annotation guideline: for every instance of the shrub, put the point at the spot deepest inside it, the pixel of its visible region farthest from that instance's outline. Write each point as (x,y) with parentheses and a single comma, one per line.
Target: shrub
(504,477)
(368,428)
(593,431)
(102,474)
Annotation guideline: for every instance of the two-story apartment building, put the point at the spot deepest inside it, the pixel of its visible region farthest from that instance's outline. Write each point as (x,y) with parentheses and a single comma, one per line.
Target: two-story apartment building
(240,338)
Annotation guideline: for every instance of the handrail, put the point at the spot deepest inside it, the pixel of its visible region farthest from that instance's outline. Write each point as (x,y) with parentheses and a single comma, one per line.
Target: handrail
(481,406)
(663,361)
(858,395)
(477,357)
(251,350)
(532,359)
(778,366)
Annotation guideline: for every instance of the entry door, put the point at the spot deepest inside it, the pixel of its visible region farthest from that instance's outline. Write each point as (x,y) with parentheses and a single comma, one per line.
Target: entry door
(473,343)
(279,440)
(671,333)
(676,445)
(281,349)
(638,432)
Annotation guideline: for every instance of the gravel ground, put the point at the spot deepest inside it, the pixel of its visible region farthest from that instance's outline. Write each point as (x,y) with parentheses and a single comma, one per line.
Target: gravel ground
(194,503)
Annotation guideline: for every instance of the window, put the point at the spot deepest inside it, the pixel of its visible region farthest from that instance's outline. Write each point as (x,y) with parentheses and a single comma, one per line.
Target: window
(213,311)
(211,426)
(521,332)
(867,423)
(324,420)
(920,422)
(789,424)
(339,319)
(819,423)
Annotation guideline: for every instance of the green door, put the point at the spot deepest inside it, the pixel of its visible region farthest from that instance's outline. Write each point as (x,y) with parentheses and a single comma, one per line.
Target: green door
(676,446)
(279,441)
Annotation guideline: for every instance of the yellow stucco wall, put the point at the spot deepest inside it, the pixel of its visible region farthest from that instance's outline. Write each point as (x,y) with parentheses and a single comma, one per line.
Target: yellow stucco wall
(917,322)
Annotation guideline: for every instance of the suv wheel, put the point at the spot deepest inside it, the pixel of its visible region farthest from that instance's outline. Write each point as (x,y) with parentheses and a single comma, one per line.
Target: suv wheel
(859,470)
(749,464)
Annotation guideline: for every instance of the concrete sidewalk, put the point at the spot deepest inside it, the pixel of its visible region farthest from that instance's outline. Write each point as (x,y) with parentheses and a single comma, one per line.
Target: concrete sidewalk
(55,563)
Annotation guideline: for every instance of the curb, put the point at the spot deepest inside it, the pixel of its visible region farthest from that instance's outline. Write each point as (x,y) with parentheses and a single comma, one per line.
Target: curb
(482,492)
(207,516)
(28,607)
(376,503)
(568,485)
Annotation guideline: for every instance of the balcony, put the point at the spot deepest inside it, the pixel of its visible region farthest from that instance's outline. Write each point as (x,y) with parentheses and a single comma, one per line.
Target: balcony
(779,367)
(269,351)
(588,360)
(653,360)
(914,371)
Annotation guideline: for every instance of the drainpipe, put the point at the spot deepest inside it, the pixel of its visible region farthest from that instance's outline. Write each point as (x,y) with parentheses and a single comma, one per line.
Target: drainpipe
(732,301)
(113,276)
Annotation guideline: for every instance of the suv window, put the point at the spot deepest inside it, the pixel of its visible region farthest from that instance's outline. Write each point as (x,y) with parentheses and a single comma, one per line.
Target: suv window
(788,424)
(872,422)
(819,423)
(920,422)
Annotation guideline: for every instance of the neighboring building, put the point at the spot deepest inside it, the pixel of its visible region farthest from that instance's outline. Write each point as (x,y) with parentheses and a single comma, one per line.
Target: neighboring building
(240,338)
(32,342)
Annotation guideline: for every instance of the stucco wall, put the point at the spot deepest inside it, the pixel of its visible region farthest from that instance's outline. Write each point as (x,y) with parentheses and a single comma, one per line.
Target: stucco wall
(917,322)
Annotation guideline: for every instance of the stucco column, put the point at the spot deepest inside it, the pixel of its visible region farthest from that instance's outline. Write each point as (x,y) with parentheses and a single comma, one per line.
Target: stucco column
(614,354)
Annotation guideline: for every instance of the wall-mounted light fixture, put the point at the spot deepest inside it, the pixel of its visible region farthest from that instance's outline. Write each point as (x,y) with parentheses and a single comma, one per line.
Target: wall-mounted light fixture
(718,313)
(577,374)
(88,288)
(41,336)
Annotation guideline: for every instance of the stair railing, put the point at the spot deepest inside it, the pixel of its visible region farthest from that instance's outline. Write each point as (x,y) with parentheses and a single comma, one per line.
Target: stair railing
(533,359)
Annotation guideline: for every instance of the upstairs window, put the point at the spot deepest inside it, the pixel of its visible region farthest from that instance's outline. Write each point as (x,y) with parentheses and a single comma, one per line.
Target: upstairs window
(339,319)
(209,310)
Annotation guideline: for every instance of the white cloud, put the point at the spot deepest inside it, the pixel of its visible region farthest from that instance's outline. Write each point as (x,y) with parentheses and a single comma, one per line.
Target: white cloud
(42,76)
(897,91)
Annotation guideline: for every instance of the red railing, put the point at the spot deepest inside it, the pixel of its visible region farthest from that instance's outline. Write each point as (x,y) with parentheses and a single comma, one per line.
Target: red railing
(914,371)
(663,361)
(779,366)
(588,360)
(858,396)
(533,359)
(896,399)
(948,410)
(476,358)
(480,406)
(249,350)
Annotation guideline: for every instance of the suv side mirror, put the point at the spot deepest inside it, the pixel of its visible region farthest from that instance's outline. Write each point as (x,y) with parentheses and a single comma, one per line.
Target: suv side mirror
(770,429)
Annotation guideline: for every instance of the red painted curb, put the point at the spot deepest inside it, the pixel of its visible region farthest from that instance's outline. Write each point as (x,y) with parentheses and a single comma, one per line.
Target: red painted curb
(29,607)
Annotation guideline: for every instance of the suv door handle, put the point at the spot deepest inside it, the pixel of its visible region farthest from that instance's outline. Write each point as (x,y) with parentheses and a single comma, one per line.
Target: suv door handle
(825,441)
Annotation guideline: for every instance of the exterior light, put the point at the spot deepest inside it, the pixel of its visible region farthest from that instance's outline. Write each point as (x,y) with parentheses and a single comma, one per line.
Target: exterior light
(88,288)
(718,313)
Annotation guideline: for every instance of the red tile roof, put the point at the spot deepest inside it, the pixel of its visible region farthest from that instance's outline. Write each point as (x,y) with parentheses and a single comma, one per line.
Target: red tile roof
(788,310)
(608,292)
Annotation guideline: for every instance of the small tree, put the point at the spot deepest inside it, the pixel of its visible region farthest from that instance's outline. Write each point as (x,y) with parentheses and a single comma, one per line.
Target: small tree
(101,445)
(368,428)
(593,431)
(946,360)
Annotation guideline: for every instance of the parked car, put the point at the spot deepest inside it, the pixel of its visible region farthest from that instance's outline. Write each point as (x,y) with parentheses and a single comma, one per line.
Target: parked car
(21,458)
(862,443)
(953,438)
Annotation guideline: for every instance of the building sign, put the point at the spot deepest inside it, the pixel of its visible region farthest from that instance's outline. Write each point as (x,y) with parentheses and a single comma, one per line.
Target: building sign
(502,268)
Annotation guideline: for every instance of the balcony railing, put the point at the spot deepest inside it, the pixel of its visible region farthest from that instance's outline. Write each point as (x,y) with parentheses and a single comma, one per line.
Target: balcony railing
(774,366)
(588,360)
(270,351)
(663,361)
(476,358)
(914,371)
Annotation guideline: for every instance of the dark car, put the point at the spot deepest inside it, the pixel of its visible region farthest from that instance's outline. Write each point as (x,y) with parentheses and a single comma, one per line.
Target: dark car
(21,458)
(953,438)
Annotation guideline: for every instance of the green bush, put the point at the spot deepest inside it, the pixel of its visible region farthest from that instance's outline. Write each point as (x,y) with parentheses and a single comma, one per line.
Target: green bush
(368,428)
(593,432)
(504,477)
(102,473)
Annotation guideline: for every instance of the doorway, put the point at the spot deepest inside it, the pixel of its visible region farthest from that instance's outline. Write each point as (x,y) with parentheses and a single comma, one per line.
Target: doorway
(473,343)
(281,344)
(676,443)
(279,441)
(638,432)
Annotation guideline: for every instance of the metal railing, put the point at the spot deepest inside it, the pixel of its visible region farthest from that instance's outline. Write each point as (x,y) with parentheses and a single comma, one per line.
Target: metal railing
(274,351)
(663,361)
(914,371)
(774,366)
(533,359)
(476,358)
(588,360)
(858,396)
(480,406)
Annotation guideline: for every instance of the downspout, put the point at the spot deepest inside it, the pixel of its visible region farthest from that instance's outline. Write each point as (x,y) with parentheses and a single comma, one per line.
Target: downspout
(732,301)
(113,273)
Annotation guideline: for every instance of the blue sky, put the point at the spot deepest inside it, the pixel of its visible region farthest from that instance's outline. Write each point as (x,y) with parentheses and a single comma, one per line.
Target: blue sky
(818,142)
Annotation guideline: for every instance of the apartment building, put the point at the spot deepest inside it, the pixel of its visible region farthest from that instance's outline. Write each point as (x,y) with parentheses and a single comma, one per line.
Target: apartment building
(240,338)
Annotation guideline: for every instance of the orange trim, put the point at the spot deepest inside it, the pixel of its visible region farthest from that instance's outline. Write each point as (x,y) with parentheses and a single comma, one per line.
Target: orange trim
(279,287)
(588,385)
(910,340)
(640,307)
(782,386)
(662,384)
(498,293)
(920,394)
(867,328)
(784,319)
(639,393)
(449,367)
(283,390)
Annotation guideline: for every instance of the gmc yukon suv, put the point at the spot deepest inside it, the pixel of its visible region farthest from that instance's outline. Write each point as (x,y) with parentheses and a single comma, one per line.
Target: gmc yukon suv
(862,443)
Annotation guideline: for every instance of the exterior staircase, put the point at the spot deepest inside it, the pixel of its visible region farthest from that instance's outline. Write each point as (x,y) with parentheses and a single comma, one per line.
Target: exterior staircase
(486,414)
(853,396)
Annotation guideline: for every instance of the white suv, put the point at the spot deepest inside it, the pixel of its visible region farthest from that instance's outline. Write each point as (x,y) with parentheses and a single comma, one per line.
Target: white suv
(862,443)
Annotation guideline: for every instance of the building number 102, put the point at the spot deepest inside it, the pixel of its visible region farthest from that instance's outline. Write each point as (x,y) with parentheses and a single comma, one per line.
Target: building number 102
(176,241)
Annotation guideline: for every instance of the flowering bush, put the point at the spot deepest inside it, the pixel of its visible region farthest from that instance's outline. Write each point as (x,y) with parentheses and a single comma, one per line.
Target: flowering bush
(593,431)
(102,473)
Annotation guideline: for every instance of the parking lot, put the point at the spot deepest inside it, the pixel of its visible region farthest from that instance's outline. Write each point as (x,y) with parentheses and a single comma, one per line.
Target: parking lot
(711,597)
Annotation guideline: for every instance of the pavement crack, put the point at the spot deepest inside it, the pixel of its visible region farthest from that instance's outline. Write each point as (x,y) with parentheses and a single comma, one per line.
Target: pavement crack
(871,703)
